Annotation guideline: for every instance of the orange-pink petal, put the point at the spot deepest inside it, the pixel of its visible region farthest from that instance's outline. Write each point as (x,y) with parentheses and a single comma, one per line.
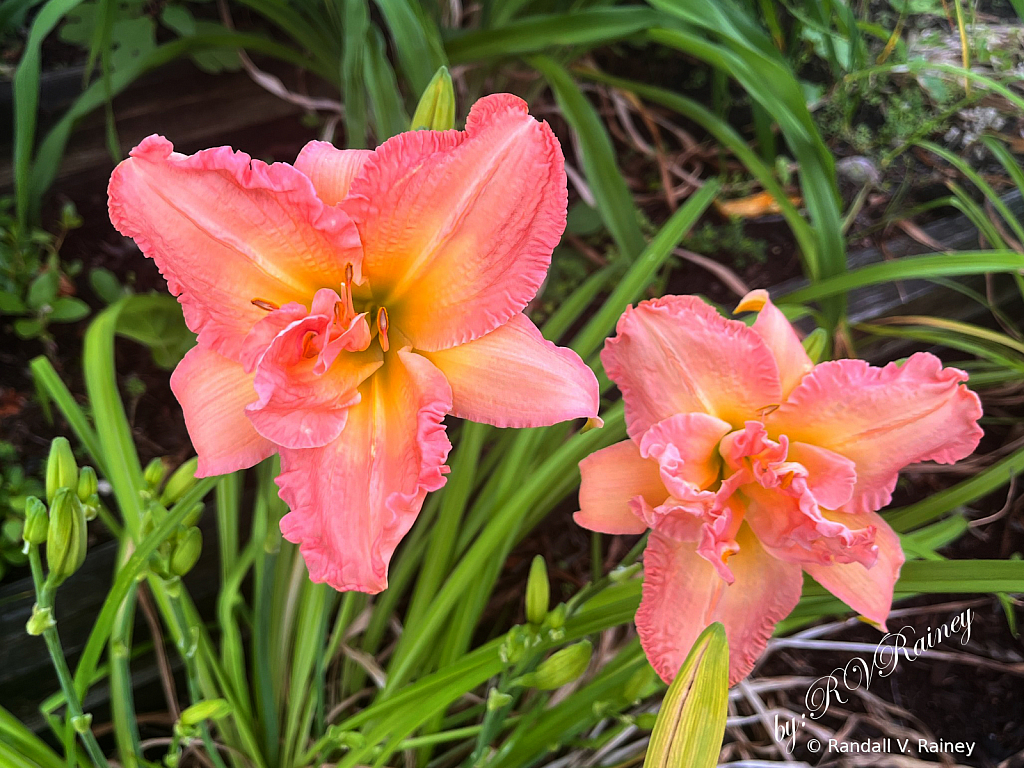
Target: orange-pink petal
(514,377)
(225,229)
(331,170)
(676,355)
(354,499)
(213,391)
(777,332)
(882,419)
(868,591)
(611,479)
(686,449)
(683,594)
(458,227)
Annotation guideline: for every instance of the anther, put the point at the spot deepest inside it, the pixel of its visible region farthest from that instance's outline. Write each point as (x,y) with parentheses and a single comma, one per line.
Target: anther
(346,291)
(264,304)
(382,326)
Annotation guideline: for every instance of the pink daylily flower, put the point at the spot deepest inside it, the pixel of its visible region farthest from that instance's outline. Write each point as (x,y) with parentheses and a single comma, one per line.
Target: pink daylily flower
(346,304)
(751,465)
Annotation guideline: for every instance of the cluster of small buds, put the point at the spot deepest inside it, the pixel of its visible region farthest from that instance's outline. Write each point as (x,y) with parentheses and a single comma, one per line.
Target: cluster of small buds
(180,552)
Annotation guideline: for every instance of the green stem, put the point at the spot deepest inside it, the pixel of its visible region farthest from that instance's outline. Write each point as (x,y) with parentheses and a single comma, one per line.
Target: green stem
(44,599)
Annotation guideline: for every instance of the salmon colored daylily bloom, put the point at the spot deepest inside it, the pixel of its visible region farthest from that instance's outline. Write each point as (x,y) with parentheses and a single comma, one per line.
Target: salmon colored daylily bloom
(346,304)
(752,465)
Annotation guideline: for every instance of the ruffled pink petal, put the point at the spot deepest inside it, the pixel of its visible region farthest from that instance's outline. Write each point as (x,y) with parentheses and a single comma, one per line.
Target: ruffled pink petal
(458,227)
(331,170)
(777,332)
(676,354)
(686,449)
(882,419)
(213,392)
(683,594)
(514,377)
(868,591)
(354,499)
(831,478)
(225,229)
(611,478)
(793,528)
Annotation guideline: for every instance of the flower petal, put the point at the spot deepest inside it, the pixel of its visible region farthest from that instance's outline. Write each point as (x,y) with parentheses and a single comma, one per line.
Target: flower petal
(213,392)
(683,594)
(882,419)
(354,499)
(331,170)
(777,332)
(611,478)
(867,590)
(793,528)
(676,354)
(225,229)
(458,228)
(514,377)
(686,449)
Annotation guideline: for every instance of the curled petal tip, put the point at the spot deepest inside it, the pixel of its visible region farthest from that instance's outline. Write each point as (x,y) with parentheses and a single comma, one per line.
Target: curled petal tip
(594,422)
(753,301)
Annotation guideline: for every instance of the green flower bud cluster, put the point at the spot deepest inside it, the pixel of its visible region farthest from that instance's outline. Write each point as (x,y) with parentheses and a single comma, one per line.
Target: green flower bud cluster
(179,553)
(559,669)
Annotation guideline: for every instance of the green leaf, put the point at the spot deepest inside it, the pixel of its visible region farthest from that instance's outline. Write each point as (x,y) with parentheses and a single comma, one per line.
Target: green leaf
(68,309)
(691,722)
(11,303)
(28,328)
(106,285)
(156,321)
(43,290)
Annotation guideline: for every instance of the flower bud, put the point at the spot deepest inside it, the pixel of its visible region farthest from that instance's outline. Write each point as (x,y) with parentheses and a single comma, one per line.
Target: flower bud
(92,507)
(81,723)
(155,473)
(187,548)
(556,617)
(212,709)
(88,484)
(436,110)
(180,482)
(814,344)
(496,700)
(193,515)
(40,621)
(66,536)
(61,469)
(538,591)
(36,522)
(559,668)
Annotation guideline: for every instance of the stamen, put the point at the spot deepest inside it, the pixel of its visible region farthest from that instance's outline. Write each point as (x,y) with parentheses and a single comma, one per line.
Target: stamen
(768,409)
(382,326)
(306,341)
(264,304)
(346,291)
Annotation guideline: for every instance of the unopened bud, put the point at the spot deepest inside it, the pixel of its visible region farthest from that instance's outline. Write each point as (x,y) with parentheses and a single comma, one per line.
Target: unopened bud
(61,469)
(193,516)
(66,536)
(213,709)
(436,110)
(538,591)
(643,683)
(496,700)
(36,521)
(88,484)
(40,621)
(180,482)
(187,548)
(81,723)
(556,617)
(92,507)
(560,668)
(814,344)
(155,473)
